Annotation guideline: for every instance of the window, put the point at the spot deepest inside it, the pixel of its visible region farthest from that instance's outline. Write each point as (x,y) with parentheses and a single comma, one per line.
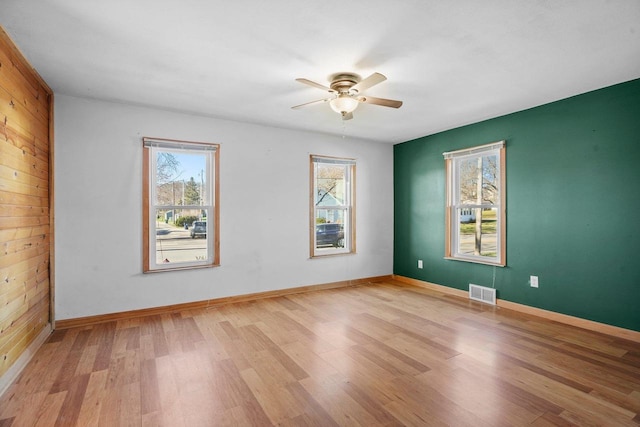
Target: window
(475,219)
(181,211)
(332,228)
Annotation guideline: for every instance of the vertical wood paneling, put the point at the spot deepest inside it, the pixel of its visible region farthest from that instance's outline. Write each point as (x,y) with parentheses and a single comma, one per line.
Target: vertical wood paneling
(25,229)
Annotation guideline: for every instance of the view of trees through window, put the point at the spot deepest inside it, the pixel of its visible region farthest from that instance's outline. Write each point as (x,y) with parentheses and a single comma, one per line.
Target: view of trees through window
(478,197)
(180,220)
(332,198)
(182,206)
(475,198)
(330,181)
(176,176)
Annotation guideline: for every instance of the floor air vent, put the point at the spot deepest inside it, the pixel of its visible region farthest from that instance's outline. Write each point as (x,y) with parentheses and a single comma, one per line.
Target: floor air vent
(482,294)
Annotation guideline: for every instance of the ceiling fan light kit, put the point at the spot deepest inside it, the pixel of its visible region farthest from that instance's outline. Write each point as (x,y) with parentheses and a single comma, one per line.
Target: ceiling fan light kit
(343,104)
(345,88)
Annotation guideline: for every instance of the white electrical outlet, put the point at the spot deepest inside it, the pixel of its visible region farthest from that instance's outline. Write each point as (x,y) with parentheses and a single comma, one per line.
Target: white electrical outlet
(419,263)
(534,281)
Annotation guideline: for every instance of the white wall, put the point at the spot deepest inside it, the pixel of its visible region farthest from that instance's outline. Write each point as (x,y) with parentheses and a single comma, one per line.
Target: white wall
(264,201)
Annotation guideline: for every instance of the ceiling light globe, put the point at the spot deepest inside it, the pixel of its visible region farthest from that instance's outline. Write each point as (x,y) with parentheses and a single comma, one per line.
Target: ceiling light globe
(343,104)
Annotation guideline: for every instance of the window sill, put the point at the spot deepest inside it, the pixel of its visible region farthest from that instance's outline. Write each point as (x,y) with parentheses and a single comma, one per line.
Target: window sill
(476,261)
(188,267)
(331,255)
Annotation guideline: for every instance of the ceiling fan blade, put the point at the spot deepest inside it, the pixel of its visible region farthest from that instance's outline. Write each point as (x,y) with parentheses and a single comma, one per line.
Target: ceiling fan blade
(314,84)
(310,103)
(380,101)
(347,116)
(370,81)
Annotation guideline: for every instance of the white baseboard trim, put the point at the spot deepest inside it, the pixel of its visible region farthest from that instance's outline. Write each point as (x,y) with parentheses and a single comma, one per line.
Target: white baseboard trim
(590,325)
(14,371)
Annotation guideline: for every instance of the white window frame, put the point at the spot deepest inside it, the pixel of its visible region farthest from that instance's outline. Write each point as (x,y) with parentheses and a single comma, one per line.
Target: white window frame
(210,203)
(453,159)
(348,207)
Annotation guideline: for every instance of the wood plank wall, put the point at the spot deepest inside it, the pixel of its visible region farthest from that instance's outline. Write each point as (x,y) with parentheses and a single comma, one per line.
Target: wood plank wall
(25,232)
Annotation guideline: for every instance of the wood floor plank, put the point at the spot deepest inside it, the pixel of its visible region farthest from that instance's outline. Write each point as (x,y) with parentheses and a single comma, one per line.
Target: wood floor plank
(91,405)
(313,410)
(68,368)
(276,401)
(402,362)
(169,400)
(73,401)
(313,365)
(339,404)
(150,396)
(48,413)
(568,398)
(506,387)
(252,409)
(382,354)
(104,335)
(552,420)
(481,395)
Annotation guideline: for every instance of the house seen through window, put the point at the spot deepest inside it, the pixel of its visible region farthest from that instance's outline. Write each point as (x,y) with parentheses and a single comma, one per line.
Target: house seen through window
(333,209)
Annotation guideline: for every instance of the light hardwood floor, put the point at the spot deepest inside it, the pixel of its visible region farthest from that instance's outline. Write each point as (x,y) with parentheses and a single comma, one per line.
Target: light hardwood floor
(382,354)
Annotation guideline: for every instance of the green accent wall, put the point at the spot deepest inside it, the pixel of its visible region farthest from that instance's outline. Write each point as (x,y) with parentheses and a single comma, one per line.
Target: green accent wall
(573,206)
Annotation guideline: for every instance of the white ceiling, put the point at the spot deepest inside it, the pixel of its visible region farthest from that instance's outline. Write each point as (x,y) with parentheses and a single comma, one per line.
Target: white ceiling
(451,62)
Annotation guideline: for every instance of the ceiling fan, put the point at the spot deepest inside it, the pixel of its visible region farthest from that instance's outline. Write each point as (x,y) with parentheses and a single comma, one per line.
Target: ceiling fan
(346,93)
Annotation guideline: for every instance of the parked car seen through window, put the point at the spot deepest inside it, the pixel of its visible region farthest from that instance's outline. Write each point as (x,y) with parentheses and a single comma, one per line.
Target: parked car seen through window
(198,229)
(330,235)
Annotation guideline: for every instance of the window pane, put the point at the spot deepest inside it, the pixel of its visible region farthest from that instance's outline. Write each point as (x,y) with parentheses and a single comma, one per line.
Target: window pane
(181,178)
(330,228)
(475,204)
(479,180)
(180,224)
(477,233)
(181,236)
(468,179)
(330,185)
(490,180)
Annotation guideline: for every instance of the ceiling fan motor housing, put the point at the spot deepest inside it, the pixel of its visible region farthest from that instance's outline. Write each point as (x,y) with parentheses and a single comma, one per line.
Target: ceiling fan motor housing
(343,82)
